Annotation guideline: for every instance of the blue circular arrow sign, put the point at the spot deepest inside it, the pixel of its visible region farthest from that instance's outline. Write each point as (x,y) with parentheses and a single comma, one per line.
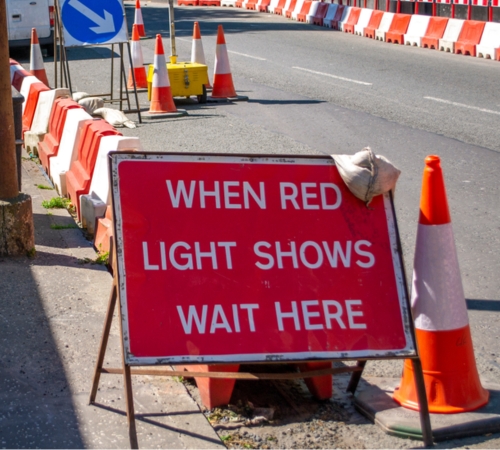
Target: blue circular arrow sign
(89,22)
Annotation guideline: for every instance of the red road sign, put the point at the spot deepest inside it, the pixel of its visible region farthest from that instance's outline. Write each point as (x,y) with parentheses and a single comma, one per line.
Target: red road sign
(232,258)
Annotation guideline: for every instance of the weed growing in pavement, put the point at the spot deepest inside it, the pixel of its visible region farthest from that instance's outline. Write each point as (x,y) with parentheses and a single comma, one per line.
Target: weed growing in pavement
(63,227)
(44,186)
(56,202)
(226,437)
(101,258)
(31,252)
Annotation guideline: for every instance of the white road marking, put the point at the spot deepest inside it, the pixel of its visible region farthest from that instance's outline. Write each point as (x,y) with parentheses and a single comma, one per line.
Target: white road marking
(333,76)
(440,100)
(248,56)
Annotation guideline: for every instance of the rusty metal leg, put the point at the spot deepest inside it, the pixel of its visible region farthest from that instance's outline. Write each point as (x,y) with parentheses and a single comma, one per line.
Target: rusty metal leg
(129,395)
(104,342)
(355,377)
(425,420)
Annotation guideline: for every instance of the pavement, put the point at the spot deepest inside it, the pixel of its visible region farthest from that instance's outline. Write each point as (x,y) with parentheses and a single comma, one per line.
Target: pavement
(52,308)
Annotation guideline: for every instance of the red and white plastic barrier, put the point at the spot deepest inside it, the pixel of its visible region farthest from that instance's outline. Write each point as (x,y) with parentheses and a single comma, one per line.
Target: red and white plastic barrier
(490,42)
(363,21)
(416,30)
(384,27)
(451,34)
(61,163)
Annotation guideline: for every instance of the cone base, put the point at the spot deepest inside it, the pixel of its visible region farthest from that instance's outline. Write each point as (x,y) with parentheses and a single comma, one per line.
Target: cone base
(451,379)
(374,401)
(223,86)
(164,115)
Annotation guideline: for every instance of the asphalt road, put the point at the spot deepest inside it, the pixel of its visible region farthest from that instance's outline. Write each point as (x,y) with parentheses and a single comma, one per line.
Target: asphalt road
(313,90)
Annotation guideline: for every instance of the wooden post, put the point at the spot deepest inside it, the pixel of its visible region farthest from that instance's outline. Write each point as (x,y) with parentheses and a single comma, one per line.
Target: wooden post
(9,186)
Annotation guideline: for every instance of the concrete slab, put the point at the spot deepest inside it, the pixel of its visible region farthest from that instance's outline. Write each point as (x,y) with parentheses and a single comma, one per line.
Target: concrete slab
(374,400)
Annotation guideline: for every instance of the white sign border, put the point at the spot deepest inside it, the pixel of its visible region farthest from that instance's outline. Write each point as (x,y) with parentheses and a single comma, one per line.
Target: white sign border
(117,157)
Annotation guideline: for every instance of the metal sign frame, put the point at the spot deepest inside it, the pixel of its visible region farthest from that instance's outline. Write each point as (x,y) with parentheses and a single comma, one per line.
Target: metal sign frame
(117,293)
(62,76)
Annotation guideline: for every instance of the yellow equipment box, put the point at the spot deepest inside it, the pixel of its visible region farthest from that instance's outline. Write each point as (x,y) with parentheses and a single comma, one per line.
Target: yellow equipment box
(186,79)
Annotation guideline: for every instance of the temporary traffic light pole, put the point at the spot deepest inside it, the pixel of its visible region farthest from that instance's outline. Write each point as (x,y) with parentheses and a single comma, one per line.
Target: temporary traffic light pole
(264,199)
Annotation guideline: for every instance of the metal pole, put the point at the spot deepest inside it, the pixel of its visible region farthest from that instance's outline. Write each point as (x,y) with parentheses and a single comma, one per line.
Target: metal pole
(173,52)
(9,186)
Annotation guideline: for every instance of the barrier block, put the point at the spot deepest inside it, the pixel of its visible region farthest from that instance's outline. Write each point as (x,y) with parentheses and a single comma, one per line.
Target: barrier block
(321,387)
(26,83)
(263,5)
(321,13)
(93,205)
(104,232)
(279,8)
(490,41)
(250,4)
(31,103)
(416,30)
(469,37)
(40,124)
(209,2)
(17,74)
(385,26)
(375,19)
(304,12)
(188,2)
(363,21)
(298,8)
(79,175)
(351,22)
(213,391)
(337,23)
(398,28)
(434,32)
(228,3)
(450,36)
(60,163)
(272,6)
(291,8)
(330,15)
(49,146)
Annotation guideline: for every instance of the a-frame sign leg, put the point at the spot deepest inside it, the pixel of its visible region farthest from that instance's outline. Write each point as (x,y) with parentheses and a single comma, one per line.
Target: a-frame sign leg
(129,396)
(425,419)
(104,341)
(129,399)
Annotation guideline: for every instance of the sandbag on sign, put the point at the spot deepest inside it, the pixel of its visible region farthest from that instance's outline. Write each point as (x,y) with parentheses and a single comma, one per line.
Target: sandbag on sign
(366,174)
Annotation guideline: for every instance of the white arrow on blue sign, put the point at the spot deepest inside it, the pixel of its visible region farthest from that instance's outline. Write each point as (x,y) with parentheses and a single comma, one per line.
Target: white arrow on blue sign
(90,22)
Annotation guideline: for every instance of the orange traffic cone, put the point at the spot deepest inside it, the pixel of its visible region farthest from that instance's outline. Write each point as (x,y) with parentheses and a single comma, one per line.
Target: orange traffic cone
(161,96)
(36,60)
(197,53)
(223,80)
(137,63)
(439,310)
(138,19)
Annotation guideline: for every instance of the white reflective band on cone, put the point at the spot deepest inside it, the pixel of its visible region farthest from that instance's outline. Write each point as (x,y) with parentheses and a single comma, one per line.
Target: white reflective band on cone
(197,54)
(160,75)
(137,58)
(437,298)
(221,60)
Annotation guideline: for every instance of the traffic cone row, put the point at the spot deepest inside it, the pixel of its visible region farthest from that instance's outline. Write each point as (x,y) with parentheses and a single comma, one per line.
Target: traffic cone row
(36,60)
(438,305)
(137,62)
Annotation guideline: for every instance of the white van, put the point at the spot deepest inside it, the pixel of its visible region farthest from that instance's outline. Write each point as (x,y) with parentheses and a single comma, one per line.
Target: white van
(23,15)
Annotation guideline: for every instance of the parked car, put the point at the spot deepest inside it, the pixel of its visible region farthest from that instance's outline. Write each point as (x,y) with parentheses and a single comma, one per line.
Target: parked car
(23,15)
